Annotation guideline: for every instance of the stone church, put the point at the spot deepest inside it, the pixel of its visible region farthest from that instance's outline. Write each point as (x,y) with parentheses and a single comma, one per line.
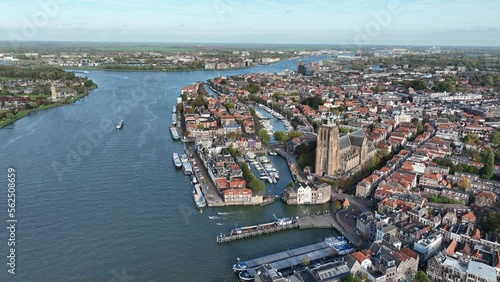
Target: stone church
(336,154)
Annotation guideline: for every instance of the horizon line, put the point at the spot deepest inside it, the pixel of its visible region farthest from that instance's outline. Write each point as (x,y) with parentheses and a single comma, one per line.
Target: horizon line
(248,43)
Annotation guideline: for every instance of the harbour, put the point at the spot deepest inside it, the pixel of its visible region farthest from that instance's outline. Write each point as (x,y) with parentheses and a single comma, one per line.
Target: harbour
(145,202)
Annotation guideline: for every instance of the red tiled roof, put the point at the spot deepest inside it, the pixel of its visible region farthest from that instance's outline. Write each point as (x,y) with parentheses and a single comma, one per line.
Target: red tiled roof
(451,248)
(359,256)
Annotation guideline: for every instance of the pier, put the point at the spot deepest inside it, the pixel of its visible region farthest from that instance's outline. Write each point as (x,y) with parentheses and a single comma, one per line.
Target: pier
(228,238)
(312,221)
(328,249)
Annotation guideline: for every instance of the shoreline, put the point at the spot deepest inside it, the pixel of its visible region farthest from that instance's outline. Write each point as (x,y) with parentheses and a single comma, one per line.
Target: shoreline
(26,113)
(161,70)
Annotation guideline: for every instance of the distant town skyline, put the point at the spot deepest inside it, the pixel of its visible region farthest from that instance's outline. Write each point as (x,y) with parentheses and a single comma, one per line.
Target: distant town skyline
(392,22)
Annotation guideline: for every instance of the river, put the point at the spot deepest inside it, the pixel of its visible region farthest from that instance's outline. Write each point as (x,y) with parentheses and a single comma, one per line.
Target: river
(96,204)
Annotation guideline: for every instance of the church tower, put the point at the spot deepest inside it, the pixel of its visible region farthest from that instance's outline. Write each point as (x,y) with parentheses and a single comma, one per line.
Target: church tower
(327,150)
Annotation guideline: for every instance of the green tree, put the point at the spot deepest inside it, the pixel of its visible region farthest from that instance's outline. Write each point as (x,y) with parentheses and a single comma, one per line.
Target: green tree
(490,221)
(377,89)
(184,96)
(89,83)
(336,205)
(293,134)
(445,86)
(472,139)
(421,277)
(495,138)
(464,183)
(488,169)
(313,102)
(229,105)
(420,127)
(263,135)
(418,84)
(280,136)
(199,101)
(306,260)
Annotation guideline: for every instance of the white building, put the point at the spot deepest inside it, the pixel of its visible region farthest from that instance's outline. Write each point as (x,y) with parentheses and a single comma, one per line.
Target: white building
(427,247)
(304,195)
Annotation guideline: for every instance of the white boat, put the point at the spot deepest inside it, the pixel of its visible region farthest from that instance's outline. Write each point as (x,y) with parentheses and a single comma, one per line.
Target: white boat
(272,153)
(187,168)
(245,276)
(177,161)
(283,221)
(194,180)
(120,124)
(198,198)
(239,266)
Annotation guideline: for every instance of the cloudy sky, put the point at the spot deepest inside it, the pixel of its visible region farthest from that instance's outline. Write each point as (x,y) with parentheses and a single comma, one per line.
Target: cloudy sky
(391,22)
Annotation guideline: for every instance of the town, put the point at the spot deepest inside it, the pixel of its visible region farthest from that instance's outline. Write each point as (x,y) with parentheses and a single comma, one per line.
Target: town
(150,57)
(23,91)
(405,144)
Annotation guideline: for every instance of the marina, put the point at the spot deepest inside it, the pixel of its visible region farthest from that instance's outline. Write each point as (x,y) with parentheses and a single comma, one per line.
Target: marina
(267,172)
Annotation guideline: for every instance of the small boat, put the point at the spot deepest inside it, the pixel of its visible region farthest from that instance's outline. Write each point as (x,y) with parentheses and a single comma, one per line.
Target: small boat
(239,266)
(120,124)
(272,153)
(194,180)
(245,276)
(177,161)
(283,221)
(187,168)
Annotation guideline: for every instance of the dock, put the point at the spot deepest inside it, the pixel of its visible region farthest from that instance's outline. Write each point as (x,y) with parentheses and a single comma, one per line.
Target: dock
(228,238)
(291,258)
(313,221)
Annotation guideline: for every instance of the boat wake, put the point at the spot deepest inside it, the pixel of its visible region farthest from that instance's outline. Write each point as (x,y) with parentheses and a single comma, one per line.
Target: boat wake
(224,213)
(213,217)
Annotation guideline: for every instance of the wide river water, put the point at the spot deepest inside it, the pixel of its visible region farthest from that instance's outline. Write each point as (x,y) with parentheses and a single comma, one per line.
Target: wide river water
(96,204)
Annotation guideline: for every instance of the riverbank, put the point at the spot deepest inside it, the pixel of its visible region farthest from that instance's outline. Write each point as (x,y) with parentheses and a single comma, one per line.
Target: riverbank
(131,69)
(24,113)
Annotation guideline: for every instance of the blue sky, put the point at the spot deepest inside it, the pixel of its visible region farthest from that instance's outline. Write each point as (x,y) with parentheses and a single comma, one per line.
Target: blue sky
(391,22)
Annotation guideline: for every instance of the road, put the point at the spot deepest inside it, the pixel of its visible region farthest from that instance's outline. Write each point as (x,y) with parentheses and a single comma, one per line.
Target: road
(345,218)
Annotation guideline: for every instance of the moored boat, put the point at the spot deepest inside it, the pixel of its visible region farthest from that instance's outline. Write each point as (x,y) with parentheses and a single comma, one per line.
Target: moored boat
(245,276)
(239,266)
(174,119)
(175,134)
(177,160)
(187,168)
